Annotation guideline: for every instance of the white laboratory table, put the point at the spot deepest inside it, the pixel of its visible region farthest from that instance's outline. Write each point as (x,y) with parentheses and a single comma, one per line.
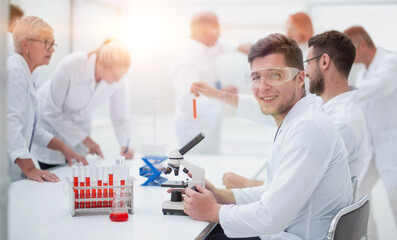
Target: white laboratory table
(41,210)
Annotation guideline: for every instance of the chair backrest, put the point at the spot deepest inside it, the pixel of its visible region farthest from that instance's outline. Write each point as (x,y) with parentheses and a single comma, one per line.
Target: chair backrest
(354,180)
(351,222)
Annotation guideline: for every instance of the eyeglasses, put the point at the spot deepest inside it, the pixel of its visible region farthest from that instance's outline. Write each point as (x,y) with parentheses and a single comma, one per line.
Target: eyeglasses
(48,45)
(272,76)
(306,62)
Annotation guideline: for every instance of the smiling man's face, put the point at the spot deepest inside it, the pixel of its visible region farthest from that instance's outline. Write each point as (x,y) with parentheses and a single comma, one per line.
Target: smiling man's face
(277,100)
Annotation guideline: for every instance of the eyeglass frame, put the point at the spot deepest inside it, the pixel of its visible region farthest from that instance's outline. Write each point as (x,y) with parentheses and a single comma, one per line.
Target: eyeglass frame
(53,44)
(249,81)
(310,59)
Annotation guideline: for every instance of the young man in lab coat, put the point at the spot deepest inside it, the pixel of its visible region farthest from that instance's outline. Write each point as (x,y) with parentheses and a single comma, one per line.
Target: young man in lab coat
(330,57)
(378,97)
(308,174)
(195,62)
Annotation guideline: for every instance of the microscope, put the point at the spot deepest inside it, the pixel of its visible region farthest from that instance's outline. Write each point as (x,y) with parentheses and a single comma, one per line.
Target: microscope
(175,206)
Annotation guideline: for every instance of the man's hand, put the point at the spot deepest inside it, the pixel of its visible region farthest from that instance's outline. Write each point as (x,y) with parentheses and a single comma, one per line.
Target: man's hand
(41,176)
(129,154)
(203,88)
(92,146)
(29,169)
(201,205)
(233,180)
(70,155)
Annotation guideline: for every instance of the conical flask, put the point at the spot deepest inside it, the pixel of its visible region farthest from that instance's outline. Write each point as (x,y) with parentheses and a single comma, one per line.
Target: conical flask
(119,212)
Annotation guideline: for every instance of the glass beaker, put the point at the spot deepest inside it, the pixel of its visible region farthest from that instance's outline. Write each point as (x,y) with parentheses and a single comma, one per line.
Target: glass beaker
(119,212)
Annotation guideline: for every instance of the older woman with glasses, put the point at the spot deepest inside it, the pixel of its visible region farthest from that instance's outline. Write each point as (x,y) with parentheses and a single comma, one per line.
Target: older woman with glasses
(34,45)
(82,82)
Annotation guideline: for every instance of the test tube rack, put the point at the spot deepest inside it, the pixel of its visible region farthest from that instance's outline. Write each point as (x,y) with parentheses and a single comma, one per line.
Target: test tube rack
(99,205)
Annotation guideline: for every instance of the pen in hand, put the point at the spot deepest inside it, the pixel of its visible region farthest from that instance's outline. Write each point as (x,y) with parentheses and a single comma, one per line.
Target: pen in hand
(126,146)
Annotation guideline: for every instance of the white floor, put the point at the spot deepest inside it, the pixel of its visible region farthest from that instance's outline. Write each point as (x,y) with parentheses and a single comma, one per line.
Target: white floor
(238,137)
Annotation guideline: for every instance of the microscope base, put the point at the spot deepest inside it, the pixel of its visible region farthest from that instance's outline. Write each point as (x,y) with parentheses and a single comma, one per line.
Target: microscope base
(169,207)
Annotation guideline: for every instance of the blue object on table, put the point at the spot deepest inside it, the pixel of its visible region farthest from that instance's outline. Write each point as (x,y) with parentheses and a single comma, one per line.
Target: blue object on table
(151,172)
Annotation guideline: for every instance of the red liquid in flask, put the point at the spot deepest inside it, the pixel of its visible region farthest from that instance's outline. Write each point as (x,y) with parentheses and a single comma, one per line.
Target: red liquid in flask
(118,216)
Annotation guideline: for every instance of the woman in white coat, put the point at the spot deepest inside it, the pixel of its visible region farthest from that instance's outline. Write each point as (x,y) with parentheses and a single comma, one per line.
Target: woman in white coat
(34,46)
(81,82)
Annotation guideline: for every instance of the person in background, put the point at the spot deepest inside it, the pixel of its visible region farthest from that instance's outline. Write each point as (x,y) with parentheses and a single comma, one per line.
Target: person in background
(300,28)
(34,46)
(81,82)
(378,97)
(16,13)
(194,63)
(308,174)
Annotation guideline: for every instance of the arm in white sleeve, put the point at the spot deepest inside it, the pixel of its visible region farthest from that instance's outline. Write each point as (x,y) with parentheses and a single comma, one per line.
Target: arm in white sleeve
(303,164)
(119,109)
(382,83)
(249,108)
(41,137)
(52,110)
(16,103)
(184,75)
(248,195)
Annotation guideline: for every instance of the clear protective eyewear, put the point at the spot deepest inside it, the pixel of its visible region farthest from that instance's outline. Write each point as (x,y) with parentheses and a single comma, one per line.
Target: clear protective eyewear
(272,76)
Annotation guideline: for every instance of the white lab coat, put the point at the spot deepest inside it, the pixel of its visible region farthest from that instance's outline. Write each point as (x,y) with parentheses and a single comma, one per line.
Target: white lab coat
(66,102)
(378,98)
(21,109)
(308,182)
(194,63)
(345,114)
(10,44)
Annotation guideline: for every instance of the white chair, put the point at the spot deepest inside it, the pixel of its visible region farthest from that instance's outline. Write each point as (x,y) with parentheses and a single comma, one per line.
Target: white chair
(351,222)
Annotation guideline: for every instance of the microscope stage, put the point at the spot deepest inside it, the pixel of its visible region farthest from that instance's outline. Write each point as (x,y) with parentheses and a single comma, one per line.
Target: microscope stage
(173,208)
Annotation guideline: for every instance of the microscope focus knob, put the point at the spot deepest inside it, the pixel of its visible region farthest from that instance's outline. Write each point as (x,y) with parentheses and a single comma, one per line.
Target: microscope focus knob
(167,170)
(176,196)
(185,170)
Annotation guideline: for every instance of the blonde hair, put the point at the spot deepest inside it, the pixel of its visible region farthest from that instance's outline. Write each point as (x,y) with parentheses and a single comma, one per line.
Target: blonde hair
(28,28)
(112,52)
(303,24)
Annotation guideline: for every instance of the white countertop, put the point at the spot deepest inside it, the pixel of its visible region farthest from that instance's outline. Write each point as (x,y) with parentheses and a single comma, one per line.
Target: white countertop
(41,210)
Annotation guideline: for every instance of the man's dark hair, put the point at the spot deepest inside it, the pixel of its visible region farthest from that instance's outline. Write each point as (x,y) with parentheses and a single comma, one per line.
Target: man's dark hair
(278,43)
(338,46)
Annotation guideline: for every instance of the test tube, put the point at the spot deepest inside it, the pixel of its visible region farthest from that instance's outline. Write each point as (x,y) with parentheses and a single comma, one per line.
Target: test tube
(194,108)
(75,184)
(105,183)
(111,175)
(120,160)
(87,184)
(123,175)
(94,178)
(99,181)
(81,178)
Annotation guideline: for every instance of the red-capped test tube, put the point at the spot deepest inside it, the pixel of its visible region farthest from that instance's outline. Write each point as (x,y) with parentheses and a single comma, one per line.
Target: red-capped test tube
(94,177)
(75,184)
(99,184)
(87,184)
(81,179)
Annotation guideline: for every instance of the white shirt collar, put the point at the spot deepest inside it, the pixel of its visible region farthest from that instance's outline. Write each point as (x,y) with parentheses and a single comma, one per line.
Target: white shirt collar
(343,98)
(298,109)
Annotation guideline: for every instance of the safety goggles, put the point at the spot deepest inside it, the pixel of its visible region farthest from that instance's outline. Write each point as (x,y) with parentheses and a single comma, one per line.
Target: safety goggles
(272,76)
